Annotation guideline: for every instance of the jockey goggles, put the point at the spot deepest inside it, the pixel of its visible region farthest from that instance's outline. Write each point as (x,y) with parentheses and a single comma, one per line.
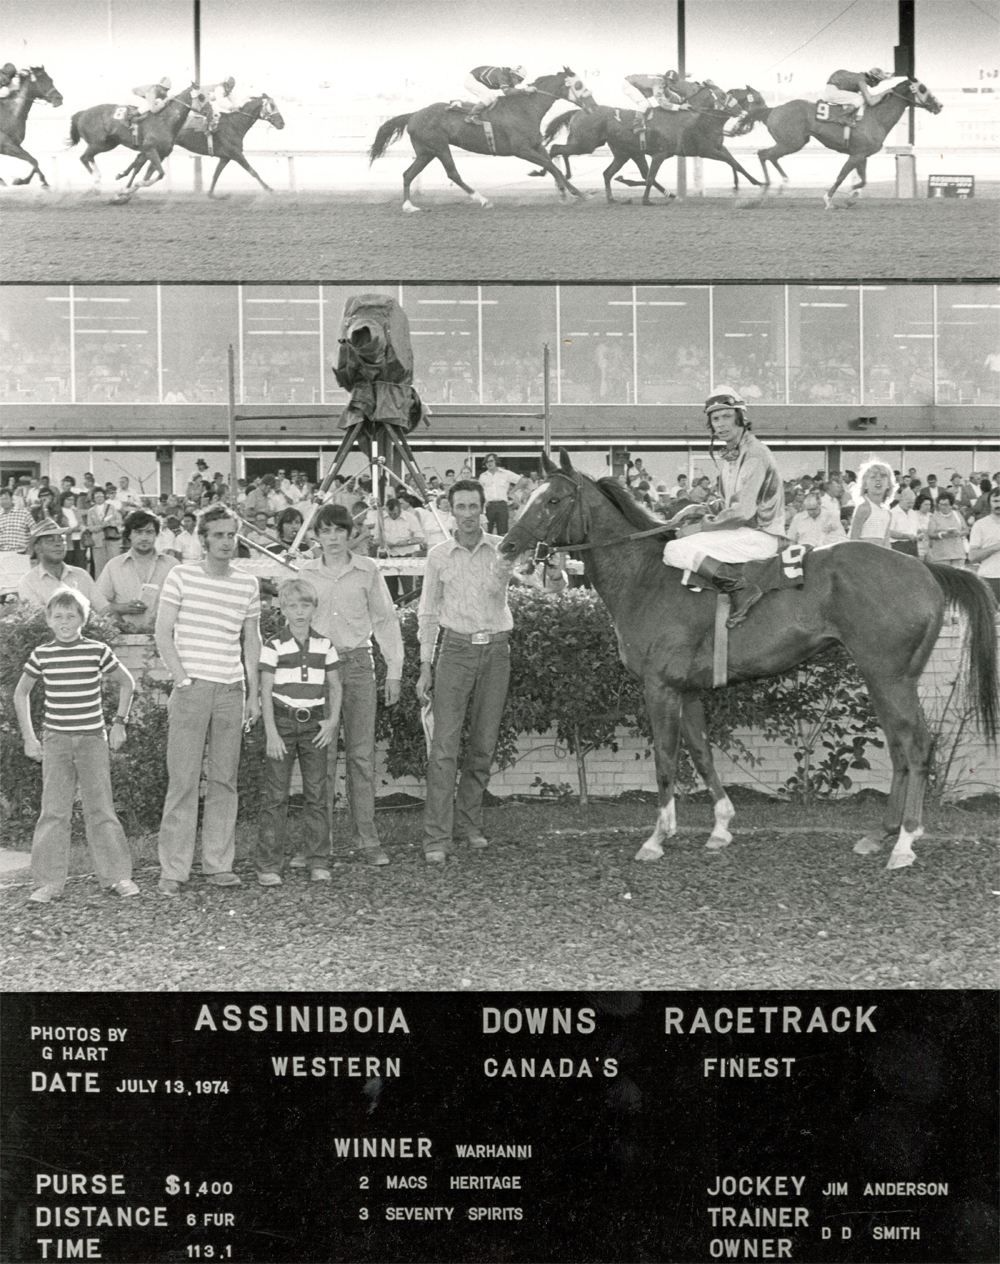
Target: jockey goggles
(724,399)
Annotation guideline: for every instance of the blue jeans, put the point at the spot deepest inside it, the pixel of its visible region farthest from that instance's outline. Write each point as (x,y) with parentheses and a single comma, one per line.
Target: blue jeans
(202,711)
(464,671)
(269,855)
(69,760)
(357,710)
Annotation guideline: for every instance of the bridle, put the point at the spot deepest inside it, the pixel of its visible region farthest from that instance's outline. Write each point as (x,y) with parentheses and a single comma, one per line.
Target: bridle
(559,525)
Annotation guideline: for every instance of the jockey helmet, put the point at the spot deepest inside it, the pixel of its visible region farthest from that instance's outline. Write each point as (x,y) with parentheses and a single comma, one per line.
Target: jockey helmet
(165,83)
(9,69)
(726,397)
(517,71)
(877,75)
(671,76)
(229,83)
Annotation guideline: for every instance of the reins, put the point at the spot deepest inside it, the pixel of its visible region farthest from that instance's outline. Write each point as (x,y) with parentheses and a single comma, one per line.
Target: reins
(577,504)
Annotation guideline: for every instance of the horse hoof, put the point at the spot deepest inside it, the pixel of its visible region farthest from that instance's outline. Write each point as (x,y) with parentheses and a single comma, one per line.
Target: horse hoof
(901,861)
(865,846)
(649,851)
(716,842)
(410,208)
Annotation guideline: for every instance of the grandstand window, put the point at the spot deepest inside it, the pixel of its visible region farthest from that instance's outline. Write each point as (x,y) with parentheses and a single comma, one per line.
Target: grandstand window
(968,344)
(444,326)
(35,360)
(898,344)
(674,355)
(596,341)
(748,339)
(198,323)
(116,344)
(824,345)
(517,321)
(282,351)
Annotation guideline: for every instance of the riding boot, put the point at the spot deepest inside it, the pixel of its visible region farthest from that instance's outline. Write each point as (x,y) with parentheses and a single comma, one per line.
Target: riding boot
(727,578)
(475,114)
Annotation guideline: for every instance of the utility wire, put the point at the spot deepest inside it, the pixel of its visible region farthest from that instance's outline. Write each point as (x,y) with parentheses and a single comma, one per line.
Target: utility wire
(812,37)
(991,16)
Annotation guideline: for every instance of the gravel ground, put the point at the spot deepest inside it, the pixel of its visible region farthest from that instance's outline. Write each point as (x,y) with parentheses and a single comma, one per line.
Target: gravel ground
(72,237)
(556,902)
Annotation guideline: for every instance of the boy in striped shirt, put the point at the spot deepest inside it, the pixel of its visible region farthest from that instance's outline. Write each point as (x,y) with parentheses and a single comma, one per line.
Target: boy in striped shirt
(300,693)
(74,748)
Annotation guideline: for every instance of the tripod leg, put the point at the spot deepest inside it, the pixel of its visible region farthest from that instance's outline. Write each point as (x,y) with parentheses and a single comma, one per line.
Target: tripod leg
(346,446)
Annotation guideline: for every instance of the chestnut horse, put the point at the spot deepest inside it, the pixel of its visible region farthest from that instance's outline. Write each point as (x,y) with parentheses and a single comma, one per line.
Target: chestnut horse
(36,85)
(884,607)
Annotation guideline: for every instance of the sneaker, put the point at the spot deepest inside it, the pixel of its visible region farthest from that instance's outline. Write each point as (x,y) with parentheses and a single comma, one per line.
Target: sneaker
(269,879)
(435,856)
(125,887)
(298,862)
(43,895)
(320,875)
(224,879)
(373,855)
(167,886)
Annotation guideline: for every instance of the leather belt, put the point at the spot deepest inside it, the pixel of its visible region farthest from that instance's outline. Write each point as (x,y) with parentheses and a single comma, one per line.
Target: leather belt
(478,638)
(302,714)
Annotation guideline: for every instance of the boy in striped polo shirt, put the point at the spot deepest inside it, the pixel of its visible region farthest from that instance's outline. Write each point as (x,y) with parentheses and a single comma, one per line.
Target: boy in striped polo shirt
(207,626)
(74,748)
(300,694)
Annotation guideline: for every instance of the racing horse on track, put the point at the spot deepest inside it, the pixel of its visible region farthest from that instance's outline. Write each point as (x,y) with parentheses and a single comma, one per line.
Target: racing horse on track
(793,123)
(105,127)
(36,85)
(227,141)
(701,129)
(884,607)
(515,120)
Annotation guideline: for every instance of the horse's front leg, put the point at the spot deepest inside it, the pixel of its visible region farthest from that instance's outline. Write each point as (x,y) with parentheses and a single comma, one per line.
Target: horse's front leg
(10,149)
(664,707)
(695,733)
(849,166)
(541,157)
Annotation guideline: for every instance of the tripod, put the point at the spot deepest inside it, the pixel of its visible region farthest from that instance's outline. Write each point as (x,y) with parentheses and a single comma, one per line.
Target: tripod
(378,441)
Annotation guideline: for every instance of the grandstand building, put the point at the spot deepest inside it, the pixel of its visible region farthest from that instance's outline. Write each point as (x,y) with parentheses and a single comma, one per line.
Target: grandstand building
(134,379)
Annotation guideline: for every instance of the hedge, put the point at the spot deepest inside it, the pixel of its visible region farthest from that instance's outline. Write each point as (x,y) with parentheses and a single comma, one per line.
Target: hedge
(566,677)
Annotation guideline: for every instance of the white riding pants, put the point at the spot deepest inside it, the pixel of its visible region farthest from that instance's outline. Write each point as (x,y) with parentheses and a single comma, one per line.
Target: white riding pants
(480,90)
(638,96)
(742,544)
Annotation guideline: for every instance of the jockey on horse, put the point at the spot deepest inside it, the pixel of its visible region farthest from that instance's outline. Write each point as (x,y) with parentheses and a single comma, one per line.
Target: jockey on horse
(489,84)
(156,95)
(220,101)
(751,525)
(651,92)
(10,80)
(852,90)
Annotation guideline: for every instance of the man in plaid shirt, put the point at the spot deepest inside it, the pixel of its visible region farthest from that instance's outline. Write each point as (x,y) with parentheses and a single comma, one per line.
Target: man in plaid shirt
(15,524)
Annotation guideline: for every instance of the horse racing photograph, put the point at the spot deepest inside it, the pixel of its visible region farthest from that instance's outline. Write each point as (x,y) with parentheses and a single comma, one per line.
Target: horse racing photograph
(739,139)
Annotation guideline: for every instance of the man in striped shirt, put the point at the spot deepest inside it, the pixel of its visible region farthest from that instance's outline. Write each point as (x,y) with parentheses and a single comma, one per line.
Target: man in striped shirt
(206,608)
(74,749)
(465,595)
(300,701)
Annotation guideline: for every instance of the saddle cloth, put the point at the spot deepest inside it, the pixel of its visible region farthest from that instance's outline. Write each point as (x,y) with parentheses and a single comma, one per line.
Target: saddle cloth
(126,113)
(784,570)
(844,116)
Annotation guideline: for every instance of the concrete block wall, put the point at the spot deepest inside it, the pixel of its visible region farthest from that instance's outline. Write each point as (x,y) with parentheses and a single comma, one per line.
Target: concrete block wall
(975,769)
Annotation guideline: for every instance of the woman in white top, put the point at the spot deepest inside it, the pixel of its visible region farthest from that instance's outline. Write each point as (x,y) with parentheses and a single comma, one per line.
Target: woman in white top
(923,510)
(904,523)
(872,519)
(76,552)
(104,524)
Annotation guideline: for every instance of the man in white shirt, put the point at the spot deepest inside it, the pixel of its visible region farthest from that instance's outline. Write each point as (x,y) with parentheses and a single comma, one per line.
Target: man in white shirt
(496,482)
(187,543)
(815,525)
(125,498)
(984,546)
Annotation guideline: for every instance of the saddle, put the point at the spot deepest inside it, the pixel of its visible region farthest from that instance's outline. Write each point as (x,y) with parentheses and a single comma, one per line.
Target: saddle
(784,570)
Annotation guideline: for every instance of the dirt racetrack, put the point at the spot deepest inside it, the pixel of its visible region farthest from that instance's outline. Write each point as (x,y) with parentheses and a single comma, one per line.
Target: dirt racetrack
(81,237)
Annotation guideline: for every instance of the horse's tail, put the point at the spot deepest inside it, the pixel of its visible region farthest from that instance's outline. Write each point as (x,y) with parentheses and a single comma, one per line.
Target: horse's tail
(74,130)
(560,120)
(386,134)
(971,595)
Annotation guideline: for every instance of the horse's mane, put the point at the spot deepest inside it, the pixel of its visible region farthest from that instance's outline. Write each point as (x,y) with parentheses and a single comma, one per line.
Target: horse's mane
(626,504)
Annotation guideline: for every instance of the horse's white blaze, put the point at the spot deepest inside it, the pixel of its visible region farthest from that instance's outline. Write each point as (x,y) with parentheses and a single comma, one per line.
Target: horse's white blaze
(666,827)
(408,206)
(902,854)
(865,846)
(541,490)
(720,836)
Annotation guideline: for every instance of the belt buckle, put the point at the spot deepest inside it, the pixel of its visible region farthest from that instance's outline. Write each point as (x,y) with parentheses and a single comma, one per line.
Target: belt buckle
(303,714)
(480,638)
